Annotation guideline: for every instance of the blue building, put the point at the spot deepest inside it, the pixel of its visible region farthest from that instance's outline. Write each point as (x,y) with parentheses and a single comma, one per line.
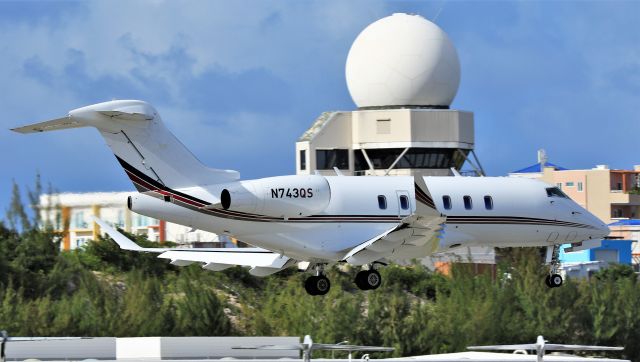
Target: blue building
(582,264)
(611,251)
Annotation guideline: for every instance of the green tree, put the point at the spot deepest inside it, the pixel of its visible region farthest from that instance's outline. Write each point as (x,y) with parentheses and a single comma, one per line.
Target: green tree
(16,214)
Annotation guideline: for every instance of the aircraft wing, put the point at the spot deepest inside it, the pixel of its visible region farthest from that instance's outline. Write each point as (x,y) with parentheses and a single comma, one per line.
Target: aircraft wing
(349,348)
(416,235)
(262,262)
(547,347)
(576,347)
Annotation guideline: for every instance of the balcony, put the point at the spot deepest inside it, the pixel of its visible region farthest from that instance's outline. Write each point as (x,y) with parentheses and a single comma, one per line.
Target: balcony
(624,198)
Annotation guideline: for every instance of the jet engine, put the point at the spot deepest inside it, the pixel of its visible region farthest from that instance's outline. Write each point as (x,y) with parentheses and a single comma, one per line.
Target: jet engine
(159,209)
(282,196)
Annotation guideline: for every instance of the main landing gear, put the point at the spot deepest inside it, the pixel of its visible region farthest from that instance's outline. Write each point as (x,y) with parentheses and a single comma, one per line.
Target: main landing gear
(368,279)
(554,279)
(317,284)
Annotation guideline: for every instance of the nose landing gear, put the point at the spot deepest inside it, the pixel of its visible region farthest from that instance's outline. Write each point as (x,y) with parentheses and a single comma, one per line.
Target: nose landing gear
(554,279)
(317,284)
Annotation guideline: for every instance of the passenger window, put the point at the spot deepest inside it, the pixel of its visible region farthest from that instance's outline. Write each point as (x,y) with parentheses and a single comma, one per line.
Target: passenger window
(404,202)
(382,202)
(446,201)
(488,202)
(467,202)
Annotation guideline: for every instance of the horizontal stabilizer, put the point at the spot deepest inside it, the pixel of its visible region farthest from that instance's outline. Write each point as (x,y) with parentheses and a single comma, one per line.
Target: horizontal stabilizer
(123,242)
(263,262)
(52,125)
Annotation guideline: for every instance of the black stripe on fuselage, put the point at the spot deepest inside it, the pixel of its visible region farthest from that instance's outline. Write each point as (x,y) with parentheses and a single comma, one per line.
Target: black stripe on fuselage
(147,185)
(512,220)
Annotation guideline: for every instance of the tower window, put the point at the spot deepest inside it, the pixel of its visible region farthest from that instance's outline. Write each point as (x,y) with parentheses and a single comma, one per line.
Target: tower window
(446,202)
(303,159)
(328,159)
(382,202)
(467,202)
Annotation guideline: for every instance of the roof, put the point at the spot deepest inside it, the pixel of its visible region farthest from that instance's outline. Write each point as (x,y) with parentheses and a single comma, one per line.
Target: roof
(628,222)
(538,168)
(317,126)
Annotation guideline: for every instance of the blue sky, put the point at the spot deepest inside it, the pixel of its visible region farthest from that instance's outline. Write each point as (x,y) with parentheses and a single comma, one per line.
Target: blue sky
(238,82)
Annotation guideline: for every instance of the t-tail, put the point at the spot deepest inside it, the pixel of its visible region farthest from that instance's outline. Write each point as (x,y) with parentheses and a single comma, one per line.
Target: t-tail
(146,149)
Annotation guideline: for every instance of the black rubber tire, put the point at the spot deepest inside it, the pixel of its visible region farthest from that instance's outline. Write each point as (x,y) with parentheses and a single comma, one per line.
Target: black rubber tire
(322,285)
(309,285)
(547,281)
(373,279)
(361,280)
(555,280)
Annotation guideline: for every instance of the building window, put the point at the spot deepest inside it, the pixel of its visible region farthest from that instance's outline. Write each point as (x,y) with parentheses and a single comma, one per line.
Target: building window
(488,202)
(80,242)
(404,202)
(467,202)
(579,186)
(383,126)
(78,220)
(328,159)
(359,162)
(446,202)
(303,159)
(569,184)
(383,158)
(382,202)
(120,222)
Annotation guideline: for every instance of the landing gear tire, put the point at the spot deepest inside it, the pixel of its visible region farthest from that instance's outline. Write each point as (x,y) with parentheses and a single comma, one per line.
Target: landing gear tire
(317,285)
(555,280)
(368,279)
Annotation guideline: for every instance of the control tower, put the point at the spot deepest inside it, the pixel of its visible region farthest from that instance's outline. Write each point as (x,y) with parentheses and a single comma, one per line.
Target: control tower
(402,73)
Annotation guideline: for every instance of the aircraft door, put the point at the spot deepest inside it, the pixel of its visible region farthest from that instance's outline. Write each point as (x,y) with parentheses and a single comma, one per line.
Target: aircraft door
(404,203)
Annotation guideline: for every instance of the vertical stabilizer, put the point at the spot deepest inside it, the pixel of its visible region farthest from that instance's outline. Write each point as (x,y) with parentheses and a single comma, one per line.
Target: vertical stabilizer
(145,148)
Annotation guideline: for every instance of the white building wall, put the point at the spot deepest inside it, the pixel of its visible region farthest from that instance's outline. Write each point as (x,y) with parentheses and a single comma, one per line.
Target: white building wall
(112,208)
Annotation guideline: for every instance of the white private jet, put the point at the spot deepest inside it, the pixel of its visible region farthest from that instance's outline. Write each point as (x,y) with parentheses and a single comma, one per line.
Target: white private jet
(322,220)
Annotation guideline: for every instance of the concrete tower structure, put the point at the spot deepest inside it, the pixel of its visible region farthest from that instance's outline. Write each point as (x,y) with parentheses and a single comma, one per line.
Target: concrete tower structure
(403,73)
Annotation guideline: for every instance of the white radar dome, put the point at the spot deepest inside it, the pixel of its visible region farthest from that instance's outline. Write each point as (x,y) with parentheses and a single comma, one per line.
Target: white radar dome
(402,60)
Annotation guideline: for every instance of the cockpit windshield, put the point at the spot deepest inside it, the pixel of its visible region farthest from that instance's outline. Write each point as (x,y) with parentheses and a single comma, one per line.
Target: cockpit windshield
(556,192)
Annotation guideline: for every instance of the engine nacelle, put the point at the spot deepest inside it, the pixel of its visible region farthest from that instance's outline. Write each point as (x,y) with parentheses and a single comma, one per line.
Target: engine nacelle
(282,196)
(159,209)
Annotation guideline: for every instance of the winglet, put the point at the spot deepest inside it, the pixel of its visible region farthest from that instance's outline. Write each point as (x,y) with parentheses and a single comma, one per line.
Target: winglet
(123,242)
